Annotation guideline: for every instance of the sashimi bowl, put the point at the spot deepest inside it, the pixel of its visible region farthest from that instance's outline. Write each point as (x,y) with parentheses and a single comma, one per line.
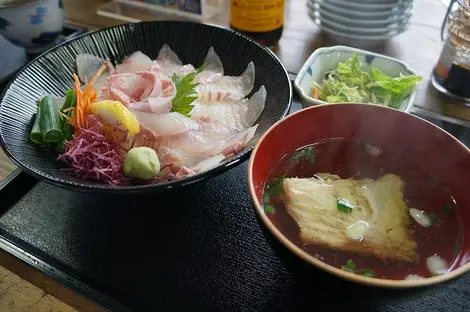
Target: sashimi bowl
(346,188)
(142,107)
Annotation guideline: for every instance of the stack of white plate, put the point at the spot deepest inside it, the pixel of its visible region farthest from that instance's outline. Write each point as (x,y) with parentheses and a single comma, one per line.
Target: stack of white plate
(361,22)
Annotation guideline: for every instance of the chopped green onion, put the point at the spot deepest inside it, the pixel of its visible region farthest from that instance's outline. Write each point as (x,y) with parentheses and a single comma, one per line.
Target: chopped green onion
(344,205)
(351,267)
(36,134)
(50,121)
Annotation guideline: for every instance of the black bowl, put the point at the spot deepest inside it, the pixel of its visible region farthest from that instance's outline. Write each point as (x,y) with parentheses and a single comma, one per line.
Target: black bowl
(51,73)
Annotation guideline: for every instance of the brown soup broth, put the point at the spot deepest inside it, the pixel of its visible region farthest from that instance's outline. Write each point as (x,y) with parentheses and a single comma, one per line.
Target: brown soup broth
(358,160)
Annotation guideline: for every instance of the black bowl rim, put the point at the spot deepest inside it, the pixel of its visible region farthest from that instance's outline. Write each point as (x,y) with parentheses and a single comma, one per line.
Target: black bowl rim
(156,187)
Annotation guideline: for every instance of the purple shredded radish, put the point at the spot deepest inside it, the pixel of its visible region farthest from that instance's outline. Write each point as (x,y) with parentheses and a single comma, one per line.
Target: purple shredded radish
(92,156)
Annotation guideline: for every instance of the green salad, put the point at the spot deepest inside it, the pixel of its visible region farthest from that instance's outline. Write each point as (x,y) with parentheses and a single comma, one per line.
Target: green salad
(350,83)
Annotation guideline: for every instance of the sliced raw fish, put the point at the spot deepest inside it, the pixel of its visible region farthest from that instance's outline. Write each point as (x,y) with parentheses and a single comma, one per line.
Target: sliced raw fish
(237,115)
(171,64)
(213,68)
(192,147)
(164,125)
(135,62)
(236,144)
(208,163)
(141,91)
(88,65)
(228,88)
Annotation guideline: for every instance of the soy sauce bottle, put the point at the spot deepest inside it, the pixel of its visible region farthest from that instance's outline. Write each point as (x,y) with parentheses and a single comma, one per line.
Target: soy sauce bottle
(262,20)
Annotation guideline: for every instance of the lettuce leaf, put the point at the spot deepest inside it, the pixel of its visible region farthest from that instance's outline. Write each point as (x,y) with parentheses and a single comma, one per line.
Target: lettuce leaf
(348,82)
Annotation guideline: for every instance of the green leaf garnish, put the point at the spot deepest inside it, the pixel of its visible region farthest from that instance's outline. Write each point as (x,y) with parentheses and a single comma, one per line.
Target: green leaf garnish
(344,205)
(351,267)
(348,82)
(185,92)
(388,230)
(307,153)
(273,189)
(269,209)
(366,273)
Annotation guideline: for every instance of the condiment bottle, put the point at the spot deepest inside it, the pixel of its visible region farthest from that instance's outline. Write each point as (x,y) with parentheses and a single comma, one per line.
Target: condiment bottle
(451,75)
(262,20)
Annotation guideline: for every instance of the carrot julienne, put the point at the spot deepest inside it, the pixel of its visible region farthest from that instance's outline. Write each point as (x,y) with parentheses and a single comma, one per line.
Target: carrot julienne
(84,99)
(315,93)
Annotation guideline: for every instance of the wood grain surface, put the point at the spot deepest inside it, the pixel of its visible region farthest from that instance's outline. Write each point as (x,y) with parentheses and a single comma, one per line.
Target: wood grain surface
(419,46)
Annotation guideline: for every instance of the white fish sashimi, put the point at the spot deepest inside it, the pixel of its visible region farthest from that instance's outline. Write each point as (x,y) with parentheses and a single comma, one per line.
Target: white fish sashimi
(236,143)
(135,62)
(190,148)
(164,125)
(167,54)
(228,88)
(213,68)
(144,91)
(208,163)
(88,65)
(237,115)
(171,64)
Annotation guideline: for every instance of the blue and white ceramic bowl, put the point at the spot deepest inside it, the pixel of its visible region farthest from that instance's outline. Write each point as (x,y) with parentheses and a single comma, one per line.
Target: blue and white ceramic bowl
(32,24)
(326,59)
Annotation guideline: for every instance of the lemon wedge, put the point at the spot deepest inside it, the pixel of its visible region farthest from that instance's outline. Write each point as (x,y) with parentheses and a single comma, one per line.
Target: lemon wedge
(114,113)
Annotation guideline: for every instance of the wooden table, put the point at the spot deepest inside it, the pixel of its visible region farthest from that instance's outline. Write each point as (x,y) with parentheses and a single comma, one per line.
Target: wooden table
(419,47)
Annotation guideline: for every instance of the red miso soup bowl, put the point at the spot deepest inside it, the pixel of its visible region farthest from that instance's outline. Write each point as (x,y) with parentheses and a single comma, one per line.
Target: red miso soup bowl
(367,193)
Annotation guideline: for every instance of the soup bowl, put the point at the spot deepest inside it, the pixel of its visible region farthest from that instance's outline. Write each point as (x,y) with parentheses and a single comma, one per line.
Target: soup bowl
(432,164)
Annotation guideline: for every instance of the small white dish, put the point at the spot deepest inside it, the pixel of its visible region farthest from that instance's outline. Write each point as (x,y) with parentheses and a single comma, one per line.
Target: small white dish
(326,59)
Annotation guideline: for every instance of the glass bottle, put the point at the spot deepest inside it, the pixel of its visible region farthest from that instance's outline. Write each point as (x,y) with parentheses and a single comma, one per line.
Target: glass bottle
(262,20)
(451,75)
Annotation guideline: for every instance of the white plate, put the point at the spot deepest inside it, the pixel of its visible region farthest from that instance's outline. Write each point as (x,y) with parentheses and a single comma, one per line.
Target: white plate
(357,36)
(361,31)
(359,22)
(390,15)
(360,25)
(370,6)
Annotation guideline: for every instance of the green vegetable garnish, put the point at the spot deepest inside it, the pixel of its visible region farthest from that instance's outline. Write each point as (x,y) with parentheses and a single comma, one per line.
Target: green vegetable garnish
(67,128)
(351,267)
(273,189)
(36,134)
(185,92)
(307,153)
(366,273)
(350,83)
(344,205)
(49,121)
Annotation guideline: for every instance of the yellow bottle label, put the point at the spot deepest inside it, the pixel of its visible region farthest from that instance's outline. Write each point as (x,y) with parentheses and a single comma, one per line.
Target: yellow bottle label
(257,15)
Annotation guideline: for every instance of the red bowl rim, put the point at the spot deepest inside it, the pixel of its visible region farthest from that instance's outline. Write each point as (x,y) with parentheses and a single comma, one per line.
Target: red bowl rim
(376,282)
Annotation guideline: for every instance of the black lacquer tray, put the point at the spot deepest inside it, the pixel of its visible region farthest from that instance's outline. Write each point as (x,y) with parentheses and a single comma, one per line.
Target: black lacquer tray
(199,248)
